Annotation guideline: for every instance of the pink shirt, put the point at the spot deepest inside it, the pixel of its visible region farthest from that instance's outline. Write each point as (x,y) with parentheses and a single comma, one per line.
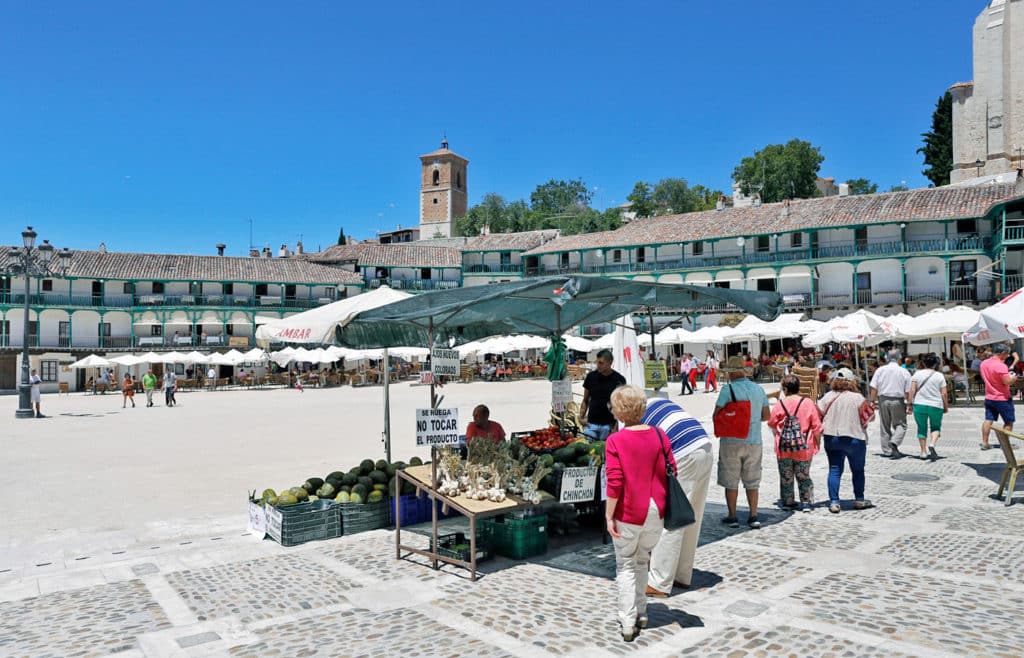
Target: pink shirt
(635,470)
(993,369)
(810,422)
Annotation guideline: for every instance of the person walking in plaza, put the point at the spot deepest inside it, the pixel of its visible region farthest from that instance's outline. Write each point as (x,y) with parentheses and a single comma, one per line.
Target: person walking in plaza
(104,381)
(928,402)
(711,372)
(797,427)
(672,558)
(211,378)
(739,459)
(996,374)
(34,393)
(685,366)
(127,390)
(170,385)
(637,489)
(597,393)
(148,386)
(694,371)
(844,418)
(890,392)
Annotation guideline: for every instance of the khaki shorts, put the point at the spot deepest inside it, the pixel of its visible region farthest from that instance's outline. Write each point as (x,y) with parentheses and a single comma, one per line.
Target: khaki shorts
(739,461)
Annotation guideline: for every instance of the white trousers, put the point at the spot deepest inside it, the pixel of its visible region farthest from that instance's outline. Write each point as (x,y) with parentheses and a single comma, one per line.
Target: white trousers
(672,558)
(632,555)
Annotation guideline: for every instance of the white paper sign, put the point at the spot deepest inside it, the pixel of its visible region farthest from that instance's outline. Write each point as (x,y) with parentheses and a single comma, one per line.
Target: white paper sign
(578,484)
(561,394)
(257,520)
(437,427)
(444,363)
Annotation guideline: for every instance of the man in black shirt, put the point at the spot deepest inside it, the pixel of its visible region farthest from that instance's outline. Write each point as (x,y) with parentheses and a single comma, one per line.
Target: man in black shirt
(597,394)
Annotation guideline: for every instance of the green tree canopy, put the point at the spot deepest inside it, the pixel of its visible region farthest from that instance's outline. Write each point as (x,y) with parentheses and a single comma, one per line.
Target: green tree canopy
(938,143)
(862,186)
(674,196)
(781,171)
(341,235)
(558,196)
(641,201)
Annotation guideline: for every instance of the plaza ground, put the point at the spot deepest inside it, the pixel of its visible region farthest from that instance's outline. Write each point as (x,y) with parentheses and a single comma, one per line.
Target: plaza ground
(124,532)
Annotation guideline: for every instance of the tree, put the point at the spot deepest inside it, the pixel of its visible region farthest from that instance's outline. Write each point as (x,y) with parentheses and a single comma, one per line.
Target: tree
(898,187)
(862,186)
(674,196)
(781,171)
(642,203)
(341,235)
(938,143)
(557,196)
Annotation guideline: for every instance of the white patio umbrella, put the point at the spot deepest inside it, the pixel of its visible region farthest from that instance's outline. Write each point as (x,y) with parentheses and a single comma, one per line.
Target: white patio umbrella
(174,357)
(255,354)
(577,343)
(939,323)
(1000,322)
(128,360)
(91,361)
(197,357)
(235,356)
(605,342)
(218,359)
(409,353)
(152,357)
(316,326)
(283,357)
(713,334)
(860,327)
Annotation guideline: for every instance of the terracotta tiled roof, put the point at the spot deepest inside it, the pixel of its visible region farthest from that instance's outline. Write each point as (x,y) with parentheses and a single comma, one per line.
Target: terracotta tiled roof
(443,151)
(929,204)
(339,253)
(409,255)
(960,85)
(172,267)
(510,241)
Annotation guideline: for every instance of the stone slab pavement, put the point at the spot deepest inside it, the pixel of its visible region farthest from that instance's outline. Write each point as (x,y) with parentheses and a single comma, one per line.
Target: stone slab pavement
(934,569)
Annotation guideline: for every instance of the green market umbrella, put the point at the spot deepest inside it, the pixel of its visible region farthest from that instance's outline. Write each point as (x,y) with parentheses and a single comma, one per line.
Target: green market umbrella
(545,306)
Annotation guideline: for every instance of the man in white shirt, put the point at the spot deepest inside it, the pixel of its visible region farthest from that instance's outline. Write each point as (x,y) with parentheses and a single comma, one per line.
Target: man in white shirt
(890,393)
(211,377)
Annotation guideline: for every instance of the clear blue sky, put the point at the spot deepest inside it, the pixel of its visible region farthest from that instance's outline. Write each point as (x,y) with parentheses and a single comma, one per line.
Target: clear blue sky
(167,126)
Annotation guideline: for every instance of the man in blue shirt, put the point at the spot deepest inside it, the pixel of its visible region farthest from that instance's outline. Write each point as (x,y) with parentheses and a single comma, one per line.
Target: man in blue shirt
(672,558)
(740,459)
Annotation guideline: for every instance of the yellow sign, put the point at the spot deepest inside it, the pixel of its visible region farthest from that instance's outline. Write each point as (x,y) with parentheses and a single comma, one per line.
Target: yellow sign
(238,341)
(655,374)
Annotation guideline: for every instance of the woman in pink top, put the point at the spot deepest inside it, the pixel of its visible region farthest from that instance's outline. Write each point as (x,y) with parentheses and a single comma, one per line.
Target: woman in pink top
(637,488)
(797,427)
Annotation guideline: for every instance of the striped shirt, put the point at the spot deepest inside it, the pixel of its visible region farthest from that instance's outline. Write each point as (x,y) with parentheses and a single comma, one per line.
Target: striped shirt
(685,432)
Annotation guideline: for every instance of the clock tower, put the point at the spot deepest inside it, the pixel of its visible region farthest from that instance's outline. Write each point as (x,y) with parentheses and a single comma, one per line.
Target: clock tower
(442,192)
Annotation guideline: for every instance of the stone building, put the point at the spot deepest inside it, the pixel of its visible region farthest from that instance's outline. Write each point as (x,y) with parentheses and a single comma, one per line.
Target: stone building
(442,192)
(988,112)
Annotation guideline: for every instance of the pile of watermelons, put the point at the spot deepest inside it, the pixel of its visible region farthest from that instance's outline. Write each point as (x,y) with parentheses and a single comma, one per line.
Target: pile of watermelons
(370,482)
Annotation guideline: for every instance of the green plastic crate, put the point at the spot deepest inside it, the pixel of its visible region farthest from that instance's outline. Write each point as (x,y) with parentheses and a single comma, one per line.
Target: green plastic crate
(297,524)
(516,538)
(360,517)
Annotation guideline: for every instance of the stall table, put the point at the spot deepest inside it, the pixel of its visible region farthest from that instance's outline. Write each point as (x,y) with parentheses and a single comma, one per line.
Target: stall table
(421,477)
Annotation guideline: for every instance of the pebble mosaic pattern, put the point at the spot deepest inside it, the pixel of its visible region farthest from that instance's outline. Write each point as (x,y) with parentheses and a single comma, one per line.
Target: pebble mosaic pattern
(885,508)
(807,534)
(981,491)
(92,621)
(259,589)
(541,607)
(783,641)
(963,554)
(884,485)
(987,519)
(596,561)
(746,568)
(361,633)
(890,605)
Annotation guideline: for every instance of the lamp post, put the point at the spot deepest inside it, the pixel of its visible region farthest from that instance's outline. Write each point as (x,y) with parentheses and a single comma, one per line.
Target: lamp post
(978,164)
(31,260)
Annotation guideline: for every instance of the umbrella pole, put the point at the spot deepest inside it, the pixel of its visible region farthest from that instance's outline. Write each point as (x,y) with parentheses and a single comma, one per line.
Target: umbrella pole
(433,455)
(650,318)
(387,405)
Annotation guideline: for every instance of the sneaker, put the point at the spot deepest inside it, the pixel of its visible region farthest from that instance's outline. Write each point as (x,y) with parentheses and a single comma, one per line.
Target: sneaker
(895,452)
(806,507)
(754,523)
(628,636)
(641,620)
(731,521)
(932,454)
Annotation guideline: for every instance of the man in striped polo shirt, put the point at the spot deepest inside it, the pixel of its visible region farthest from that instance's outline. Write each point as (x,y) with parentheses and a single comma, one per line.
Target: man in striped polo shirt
(672,558)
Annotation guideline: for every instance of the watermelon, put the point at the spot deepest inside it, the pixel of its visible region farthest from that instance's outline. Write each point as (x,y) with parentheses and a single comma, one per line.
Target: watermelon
(381,465)
(342,497)
(334,475)
(378,477)
(366,481)
(326,491)
(366,466)
(355,498)
(375,497)
(350,479)
(415,461)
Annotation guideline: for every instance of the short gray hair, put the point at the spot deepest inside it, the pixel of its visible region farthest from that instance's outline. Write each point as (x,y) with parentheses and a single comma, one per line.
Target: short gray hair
(606,354)
(893,355)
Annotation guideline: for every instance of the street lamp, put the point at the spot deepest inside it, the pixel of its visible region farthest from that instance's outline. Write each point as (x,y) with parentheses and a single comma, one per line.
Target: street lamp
(32,260)
(978,164)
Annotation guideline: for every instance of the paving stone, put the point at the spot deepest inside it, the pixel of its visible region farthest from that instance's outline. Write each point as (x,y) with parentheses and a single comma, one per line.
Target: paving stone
(782,641)
(92,621)
(259,589)
(145,569)
(197,639)
(542,606)
(747,609)
(986,519)
(405,633)
(962,618)
(744,567)
(971,555)
(812,532)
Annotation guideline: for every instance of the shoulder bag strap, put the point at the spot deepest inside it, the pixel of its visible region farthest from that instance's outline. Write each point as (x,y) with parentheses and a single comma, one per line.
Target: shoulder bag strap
(669,471)
(825,413)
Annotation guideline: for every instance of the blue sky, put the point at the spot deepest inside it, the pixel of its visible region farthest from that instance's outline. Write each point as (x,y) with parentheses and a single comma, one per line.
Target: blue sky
(167,126)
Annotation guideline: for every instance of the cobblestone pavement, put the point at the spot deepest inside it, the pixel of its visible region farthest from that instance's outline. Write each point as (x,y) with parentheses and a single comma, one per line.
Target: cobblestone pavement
(933,569)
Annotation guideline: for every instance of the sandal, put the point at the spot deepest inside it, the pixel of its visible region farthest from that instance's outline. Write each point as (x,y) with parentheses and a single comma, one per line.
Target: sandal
(862,504)
(834,509)
(984,447)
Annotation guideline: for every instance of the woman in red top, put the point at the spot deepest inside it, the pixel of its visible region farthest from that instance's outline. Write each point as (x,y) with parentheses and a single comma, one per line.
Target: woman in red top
(637,488)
